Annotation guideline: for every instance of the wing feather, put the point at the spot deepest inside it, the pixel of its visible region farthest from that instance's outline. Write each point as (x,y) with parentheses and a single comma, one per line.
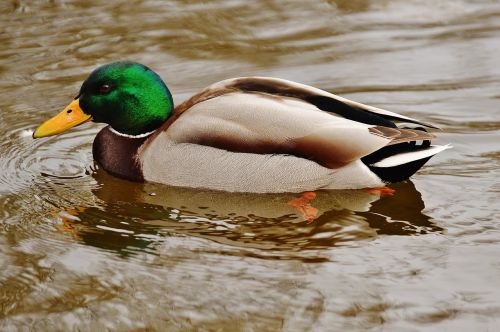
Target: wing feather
(259,123)
(333,103)
(397,135)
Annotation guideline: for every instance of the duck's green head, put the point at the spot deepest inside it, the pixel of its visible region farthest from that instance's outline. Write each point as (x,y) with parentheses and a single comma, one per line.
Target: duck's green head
(128,96)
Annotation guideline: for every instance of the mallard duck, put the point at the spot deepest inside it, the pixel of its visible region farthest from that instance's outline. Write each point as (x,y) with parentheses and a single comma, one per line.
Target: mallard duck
(247,134)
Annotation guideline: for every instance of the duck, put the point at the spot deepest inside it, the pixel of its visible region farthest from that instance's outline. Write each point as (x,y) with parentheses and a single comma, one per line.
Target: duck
(245,134)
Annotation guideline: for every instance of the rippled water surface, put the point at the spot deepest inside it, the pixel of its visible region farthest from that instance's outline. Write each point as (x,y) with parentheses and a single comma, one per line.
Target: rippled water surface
(82,250)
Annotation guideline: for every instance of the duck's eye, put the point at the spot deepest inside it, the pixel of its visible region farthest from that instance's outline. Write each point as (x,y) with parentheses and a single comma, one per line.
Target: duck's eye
(105,88)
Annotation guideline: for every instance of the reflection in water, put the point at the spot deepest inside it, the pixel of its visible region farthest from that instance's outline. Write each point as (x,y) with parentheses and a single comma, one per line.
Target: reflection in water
(136,216)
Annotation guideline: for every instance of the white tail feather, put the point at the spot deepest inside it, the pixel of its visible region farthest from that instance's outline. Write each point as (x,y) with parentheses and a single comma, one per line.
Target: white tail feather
(407,157)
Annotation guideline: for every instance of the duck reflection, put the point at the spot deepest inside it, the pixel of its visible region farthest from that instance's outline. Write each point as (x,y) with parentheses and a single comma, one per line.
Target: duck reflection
(135,216)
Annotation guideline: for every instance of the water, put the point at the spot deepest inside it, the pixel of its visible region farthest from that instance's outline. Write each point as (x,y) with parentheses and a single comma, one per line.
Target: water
(81,250)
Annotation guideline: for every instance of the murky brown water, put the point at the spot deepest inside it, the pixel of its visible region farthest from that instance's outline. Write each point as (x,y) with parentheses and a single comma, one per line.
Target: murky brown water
(81,250)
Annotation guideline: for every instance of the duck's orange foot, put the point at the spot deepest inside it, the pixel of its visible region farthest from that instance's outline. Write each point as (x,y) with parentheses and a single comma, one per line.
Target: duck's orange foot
(303,206)
(68,217)
(382,191)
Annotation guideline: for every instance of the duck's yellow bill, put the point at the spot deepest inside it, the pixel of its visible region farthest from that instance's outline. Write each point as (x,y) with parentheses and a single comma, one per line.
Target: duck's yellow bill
(71,116)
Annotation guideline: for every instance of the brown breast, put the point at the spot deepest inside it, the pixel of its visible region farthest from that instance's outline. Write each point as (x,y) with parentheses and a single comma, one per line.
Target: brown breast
(118,154)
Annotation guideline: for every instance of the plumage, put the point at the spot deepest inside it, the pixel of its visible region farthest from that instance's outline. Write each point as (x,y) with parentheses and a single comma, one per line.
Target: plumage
(254,134)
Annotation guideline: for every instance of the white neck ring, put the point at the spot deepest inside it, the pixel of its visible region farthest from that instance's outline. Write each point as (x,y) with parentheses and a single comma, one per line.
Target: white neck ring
(131,136)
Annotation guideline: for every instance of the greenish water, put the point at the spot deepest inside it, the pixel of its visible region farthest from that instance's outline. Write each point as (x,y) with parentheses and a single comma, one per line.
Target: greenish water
(82,250)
